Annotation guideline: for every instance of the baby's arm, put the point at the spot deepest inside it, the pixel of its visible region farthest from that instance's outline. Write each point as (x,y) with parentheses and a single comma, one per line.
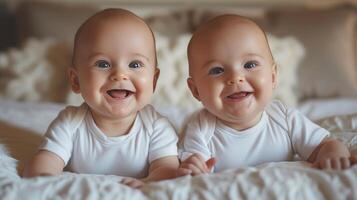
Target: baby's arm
(163,168)
(44,163)
(160,169)
(332,154)
(195,165)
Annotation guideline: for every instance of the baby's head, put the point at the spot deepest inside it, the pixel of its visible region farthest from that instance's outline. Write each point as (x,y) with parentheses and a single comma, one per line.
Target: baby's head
(114,63)
(232,71)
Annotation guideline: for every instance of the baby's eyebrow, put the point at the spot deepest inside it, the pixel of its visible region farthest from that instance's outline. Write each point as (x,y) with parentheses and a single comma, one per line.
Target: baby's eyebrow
(209,63)
(140,55)
(95,54)
(254,55)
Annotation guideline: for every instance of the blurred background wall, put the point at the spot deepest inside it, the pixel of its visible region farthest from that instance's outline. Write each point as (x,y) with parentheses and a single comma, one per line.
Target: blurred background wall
(12,29)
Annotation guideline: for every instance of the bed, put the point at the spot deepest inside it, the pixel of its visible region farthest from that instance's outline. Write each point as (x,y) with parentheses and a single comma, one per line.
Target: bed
(317,75)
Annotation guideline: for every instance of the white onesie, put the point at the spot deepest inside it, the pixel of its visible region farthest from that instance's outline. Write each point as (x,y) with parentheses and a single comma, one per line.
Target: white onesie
(84,148)
(279,135)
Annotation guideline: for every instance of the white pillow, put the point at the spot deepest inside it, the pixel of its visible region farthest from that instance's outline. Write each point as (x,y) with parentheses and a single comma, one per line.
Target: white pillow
(36,71)
(171,88)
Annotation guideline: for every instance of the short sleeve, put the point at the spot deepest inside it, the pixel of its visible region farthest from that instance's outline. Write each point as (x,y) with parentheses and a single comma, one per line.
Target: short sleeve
(59,136)
(163,140)
(196,137)
(305,134)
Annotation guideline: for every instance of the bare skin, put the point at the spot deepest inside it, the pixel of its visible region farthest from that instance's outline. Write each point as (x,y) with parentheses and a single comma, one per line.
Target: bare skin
(127,42)
(228,40)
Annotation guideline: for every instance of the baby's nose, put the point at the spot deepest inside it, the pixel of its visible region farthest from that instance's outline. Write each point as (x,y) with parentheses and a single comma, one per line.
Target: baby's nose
(118,75)
(236,79)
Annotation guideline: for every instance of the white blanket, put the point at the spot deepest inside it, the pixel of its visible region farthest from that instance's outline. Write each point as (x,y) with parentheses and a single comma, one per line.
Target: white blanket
(271,181)
(286,180)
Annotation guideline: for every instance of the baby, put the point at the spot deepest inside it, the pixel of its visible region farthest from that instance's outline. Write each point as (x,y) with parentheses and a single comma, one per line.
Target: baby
(233,73)
(115,131)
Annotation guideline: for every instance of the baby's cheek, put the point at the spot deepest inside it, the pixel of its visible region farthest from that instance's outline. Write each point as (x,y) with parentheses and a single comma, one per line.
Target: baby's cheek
(144,90)
(145,84)
(263,87)
(208,91)
(263,82)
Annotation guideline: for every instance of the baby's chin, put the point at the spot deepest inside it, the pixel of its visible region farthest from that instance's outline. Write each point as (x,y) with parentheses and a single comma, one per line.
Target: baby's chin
(119,111)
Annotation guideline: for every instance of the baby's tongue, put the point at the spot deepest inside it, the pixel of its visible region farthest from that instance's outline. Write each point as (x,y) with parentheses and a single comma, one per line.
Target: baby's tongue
(118,93)
(238,95)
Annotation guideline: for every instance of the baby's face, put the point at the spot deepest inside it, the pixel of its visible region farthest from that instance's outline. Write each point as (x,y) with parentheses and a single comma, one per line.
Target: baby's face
(231,72)
(115,66)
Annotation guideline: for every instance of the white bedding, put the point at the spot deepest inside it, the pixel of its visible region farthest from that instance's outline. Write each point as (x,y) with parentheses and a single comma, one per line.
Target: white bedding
(273,181)
(21,126)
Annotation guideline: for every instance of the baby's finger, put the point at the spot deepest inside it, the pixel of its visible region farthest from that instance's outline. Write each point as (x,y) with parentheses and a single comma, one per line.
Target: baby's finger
(195,170)
(325,164)
(183,172)
(136,184)
(336,163)
(197,162)
(125,181)
(345,163)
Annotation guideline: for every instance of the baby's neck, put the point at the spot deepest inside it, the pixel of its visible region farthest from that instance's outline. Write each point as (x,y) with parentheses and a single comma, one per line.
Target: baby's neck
(113,127)
(244,123)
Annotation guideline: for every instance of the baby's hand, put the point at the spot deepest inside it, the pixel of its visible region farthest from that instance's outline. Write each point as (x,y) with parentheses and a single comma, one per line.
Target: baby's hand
(195,165)
(132,182)
(336,163)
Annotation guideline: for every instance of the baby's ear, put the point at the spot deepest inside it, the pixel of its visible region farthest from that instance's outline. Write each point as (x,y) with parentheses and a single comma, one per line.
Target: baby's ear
(73,79)
(156,77)
(191,84)
(275,75)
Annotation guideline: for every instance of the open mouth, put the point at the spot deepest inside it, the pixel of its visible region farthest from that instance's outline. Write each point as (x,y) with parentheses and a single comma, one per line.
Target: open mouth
(239,95)
(119,94)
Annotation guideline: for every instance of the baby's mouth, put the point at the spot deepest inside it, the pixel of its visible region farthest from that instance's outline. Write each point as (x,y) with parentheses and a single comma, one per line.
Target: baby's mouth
(119,94)
(239,95)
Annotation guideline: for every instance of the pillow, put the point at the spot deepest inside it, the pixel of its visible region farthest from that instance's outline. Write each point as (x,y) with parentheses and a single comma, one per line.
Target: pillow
(171,88)
(288,53)
(329,68)
(35,72)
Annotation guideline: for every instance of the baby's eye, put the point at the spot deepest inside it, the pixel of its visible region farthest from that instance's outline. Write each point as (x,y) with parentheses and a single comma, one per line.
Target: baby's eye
(250,65)
(135,64)
(102,64)
(216,71)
